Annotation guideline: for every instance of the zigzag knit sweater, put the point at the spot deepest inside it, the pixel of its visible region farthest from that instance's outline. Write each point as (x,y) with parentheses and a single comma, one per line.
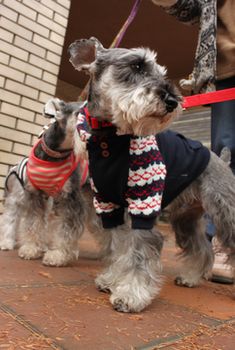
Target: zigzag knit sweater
(126,171)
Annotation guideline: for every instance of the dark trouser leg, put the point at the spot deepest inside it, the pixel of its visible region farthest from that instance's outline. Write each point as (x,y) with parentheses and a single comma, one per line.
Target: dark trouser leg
(222,131)
(223,122)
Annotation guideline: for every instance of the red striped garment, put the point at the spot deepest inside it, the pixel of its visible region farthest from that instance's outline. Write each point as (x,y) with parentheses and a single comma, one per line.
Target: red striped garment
(50,177)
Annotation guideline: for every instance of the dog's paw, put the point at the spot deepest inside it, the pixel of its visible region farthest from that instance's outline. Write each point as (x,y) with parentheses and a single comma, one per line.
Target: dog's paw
(126,303)
(56,258)
(30,251)
(182,282)
(102,285)
(7,244)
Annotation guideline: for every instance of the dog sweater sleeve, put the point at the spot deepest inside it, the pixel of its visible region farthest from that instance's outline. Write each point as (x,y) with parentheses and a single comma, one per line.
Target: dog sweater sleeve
(145,182)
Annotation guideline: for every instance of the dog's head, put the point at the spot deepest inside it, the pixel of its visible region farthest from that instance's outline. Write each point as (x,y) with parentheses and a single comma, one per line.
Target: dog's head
(63,127)
(127,87)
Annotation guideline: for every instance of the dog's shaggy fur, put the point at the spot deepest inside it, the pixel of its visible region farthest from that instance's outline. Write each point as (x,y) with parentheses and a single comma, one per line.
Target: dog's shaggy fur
(43,225)
(129,89)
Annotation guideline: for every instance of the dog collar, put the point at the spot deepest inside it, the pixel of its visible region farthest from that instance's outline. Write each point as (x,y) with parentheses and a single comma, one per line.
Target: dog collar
(52,153)
(96,124)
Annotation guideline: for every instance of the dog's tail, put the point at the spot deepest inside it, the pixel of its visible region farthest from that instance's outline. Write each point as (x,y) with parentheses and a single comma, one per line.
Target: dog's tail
(225,155)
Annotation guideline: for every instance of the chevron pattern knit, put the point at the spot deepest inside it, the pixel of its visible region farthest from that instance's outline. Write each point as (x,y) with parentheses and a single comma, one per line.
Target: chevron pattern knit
(146,177)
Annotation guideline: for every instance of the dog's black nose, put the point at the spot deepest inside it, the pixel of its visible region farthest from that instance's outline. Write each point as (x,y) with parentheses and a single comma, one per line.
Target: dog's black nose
(171,102)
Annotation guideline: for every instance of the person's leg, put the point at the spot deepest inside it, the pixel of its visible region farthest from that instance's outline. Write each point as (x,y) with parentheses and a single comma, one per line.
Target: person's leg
(223,123)
(222,135)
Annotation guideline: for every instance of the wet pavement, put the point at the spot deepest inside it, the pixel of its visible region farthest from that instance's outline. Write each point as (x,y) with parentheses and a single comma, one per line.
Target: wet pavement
(60,308)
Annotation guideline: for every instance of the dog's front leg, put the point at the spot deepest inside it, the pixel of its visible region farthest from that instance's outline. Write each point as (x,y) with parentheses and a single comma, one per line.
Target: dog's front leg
(65,227)
(134,274)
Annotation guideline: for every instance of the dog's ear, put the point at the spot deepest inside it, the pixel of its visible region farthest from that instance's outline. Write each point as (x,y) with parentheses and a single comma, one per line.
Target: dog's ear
(83,52)
(52,107)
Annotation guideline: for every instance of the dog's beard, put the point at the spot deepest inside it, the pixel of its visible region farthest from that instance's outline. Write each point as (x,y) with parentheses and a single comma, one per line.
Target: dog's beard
(152,124)
(148,123)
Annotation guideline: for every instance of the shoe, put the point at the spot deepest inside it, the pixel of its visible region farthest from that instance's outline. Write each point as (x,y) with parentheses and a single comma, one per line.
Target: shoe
(222,271)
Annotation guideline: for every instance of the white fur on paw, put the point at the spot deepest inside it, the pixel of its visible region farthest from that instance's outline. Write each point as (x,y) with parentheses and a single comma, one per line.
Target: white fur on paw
(126,303)
(56,258)
(180,281)
(7,244)
(29,251)
(101,284)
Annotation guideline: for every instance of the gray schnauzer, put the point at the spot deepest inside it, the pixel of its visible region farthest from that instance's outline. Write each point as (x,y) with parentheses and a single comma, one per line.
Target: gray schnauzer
(136,169)
(44,208)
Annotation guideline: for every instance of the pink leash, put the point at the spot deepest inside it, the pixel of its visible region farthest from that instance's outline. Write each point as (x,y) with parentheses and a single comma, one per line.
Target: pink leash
(123,30)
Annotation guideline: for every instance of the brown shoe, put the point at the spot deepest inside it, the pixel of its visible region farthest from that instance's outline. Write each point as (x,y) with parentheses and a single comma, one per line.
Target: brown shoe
(222,271)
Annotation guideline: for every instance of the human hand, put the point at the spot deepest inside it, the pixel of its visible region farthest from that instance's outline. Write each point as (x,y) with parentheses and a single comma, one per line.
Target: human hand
(165,3)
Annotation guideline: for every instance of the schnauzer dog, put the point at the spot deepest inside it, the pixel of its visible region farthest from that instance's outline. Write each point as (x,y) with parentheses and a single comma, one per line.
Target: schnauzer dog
(43,193)
(136,169)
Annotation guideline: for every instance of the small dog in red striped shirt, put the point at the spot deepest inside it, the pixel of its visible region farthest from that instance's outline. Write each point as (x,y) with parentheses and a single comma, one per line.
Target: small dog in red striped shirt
(43,193)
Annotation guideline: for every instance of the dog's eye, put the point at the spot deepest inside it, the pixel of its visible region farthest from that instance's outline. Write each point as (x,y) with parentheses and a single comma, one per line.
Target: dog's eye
(138,67)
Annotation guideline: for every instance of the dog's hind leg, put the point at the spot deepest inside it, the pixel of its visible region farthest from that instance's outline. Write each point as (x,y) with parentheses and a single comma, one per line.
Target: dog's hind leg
(189,225)
(134,274)
(218,199)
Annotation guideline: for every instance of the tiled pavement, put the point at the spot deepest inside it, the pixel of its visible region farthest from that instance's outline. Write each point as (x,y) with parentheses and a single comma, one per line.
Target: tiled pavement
(59,308)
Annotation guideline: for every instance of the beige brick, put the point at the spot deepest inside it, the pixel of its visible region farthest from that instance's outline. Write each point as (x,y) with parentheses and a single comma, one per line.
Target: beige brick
(39,119)
(17,112)
(25,67)
(51,24)
(65,3)
(41,85)
(23,150)
(2,81)
(5,145)
(11,73)
(29,127)
(9,158)
(5,34)
(13,50)
(6,12)
(20,8)
(16,29)
(42,63)
(34,140)
(14,135)
(4,58)
(3,168)
(54,58)
(1,203)
(50,78)
(47,44)
(63,21)
(5,120)
(55,7)
(9,97)
(43,98)
(59,39)
(35,27)
(40,8)
(21,89)
(2,181)
(32,105)
(30,47)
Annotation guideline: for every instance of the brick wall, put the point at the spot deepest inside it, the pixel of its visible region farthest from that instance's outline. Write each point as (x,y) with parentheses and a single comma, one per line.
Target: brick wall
(31,42)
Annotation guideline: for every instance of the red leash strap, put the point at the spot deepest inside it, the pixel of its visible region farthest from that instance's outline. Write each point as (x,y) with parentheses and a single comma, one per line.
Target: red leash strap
(208,98)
